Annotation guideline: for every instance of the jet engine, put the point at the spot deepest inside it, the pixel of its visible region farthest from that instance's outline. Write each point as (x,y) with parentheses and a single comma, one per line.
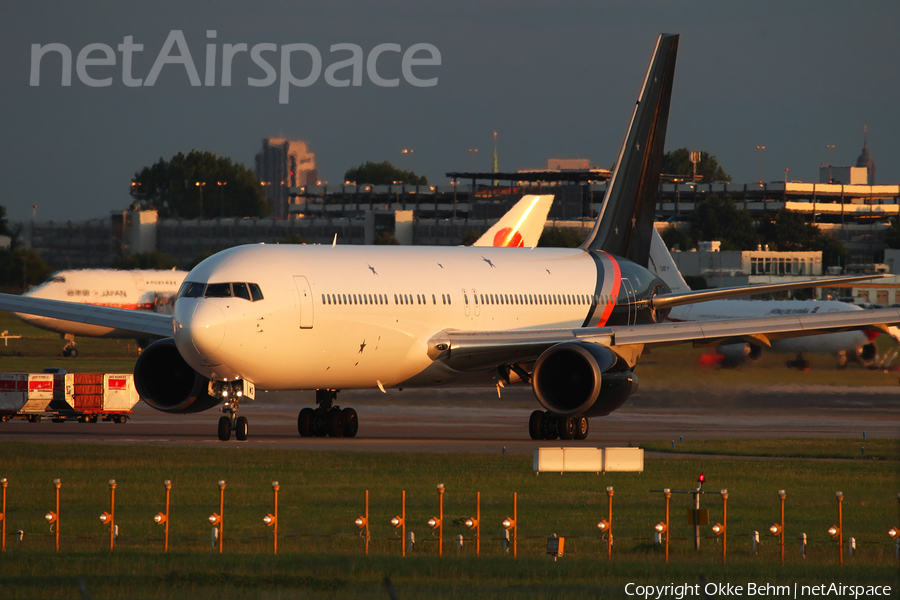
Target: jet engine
(167,383)
(575,378)
(734,355)
(867,354)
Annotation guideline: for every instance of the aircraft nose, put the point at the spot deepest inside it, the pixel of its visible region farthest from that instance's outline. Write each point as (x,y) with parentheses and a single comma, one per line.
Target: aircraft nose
(205,327)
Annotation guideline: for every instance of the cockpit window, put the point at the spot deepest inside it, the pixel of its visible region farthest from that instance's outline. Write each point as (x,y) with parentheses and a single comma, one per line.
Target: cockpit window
(218,290)
(57,279)
(191,289)
(241,290)
(255,292)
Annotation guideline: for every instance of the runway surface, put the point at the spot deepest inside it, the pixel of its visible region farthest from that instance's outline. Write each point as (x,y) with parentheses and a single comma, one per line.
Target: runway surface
(475,420)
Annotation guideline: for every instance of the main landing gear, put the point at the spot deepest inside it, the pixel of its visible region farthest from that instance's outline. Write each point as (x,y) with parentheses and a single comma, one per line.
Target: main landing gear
(70,351)
(549,426)
(327,419)
(800,363)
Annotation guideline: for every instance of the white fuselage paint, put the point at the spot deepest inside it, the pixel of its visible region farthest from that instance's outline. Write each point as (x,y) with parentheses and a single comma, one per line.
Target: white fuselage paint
(134,290)
(360,343)
(830,343)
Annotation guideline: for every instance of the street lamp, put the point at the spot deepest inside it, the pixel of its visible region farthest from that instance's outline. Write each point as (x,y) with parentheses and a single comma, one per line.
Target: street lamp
(362,522)
(760,153)
(52,517)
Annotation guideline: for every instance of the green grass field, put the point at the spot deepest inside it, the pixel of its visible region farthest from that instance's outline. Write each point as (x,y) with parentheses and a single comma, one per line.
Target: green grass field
(321,555)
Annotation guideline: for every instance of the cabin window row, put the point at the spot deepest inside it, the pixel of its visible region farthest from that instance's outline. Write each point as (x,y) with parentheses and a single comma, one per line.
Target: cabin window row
(480,299)
(541,299)
(382,299)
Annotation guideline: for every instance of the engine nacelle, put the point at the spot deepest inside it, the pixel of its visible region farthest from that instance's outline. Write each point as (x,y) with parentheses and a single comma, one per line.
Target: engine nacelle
(734,355)
(867,354)
(574,378)
(167,383)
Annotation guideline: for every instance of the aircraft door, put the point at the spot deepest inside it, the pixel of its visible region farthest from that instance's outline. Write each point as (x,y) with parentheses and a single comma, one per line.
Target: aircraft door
(466,301)
(306,302)
(629,299)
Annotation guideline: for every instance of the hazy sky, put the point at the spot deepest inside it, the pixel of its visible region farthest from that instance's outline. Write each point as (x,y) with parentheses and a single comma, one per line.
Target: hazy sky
(555,79)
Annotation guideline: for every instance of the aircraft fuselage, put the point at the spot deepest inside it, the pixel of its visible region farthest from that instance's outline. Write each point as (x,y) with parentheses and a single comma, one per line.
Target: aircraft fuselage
(358,317)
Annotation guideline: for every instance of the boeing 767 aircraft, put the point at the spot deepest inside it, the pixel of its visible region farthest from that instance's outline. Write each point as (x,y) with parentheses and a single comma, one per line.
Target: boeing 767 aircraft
(572,323)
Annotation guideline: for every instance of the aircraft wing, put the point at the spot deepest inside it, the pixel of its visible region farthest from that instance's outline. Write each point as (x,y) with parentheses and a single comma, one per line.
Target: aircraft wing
(670,300)
(141,322)
(481,350)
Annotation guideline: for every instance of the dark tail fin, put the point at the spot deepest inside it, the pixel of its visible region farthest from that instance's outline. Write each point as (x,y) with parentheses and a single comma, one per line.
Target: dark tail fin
(626,219)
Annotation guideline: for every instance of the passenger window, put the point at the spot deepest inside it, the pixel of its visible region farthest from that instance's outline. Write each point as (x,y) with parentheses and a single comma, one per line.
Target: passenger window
(242,291)
(218,290)
(433,299)
(255,292)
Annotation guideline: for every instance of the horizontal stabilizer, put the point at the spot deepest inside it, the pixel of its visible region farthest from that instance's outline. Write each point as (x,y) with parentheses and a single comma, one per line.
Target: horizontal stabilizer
(671,300)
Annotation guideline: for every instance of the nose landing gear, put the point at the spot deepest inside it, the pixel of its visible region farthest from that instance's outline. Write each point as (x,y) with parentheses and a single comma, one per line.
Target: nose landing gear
(232,392)
(327,419)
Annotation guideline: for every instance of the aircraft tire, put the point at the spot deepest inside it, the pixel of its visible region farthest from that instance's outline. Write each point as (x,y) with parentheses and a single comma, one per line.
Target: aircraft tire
(304,422)
(335,423)
(224,428)
(566,428)
(351,423)
(241,429)
(581,427)
(73,352)
(549,429)
(534,425)
(319,423)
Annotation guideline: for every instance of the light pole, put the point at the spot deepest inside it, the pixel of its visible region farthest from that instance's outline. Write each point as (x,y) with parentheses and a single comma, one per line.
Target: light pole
(163,518)
(218,519)
(3,483)
(400,522)
(760,154)
(271,520)
(200,185)
(110,517)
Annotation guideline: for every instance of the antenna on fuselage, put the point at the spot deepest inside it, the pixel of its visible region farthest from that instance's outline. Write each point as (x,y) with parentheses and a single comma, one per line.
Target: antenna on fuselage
(334,241)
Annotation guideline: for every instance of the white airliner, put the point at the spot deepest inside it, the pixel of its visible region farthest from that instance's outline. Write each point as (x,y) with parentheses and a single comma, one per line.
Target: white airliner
(572,323)
(155,290)
(857,344)
(148,290)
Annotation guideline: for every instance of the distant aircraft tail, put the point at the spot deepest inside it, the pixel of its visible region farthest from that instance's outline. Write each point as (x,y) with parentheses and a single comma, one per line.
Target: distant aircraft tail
(625,223)
(521,227)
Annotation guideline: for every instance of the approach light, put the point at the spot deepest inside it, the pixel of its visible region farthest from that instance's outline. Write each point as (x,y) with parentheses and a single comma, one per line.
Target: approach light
(51,517)
(215,519)
(718,529)
(893,533)
(397,521)
(105,517)
(269,520)
(471,523)
(508,523)
(834,530)
(603,525)
(434,522)
(660,527)
(360,521)
(159,518)
(775,529)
